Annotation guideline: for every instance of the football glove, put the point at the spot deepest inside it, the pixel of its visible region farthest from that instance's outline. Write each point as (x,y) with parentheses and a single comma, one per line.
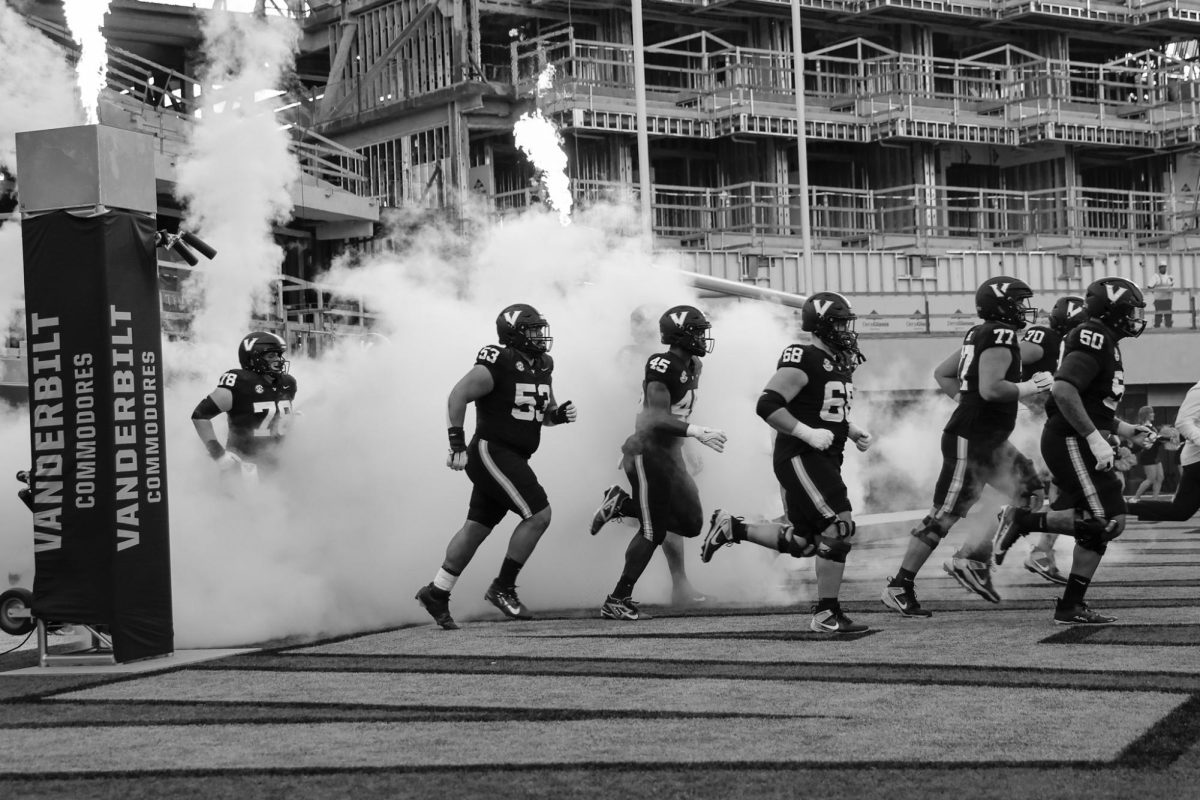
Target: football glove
(456,459)
(1038,383)
(863,442)
(1102,450)
(564,413)
(709,437)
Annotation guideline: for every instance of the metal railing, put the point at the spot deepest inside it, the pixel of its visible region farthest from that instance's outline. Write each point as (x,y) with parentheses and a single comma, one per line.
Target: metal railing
(985,216)
(164,103)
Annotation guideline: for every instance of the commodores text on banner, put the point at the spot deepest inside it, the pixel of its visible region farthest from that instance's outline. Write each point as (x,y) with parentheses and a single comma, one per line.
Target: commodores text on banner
(137,460)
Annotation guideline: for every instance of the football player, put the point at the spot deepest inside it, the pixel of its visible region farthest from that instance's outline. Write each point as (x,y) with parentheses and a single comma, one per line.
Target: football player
(984,376)
(807,402)
(257,401)
(1041,347)
(510,385)
(616,503)
(664,497)
(1081,416)
(1187,495)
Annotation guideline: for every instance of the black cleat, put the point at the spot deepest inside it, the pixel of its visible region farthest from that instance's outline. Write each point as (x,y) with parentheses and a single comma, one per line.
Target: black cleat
(505,598)
(1080,615)
(903,599)
(610,508)
(721,532)
(437,602)
(620,608)
(1007,532)
(833,620)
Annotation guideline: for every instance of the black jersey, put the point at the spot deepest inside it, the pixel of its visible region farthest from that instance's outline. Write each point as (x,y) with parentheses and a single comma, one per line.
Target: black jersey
(824,402)
(975,416)
(1050,341)
(261,412)
(1102,394)
(680,375)
(512,413)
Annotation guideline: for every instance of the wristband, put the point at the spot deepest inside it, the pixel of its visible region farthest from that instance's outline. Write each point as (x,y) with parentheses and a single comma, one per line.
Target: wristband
(1026,388)
(458,439)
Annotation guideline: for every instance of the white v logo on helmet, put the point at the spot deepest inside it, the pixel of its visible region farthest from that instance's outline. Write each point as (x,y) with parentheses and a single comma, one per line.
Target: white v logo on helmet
(1114,292)
(1000,289)
(511,317)
(247,343)
(822,306)
(679,317)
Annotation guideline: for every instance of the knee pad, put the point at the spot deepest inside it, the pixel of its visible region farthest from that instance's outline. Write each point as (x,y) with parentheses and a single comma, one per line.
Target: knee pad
(834,541)
(795,544)
(1094,533)
(930,531)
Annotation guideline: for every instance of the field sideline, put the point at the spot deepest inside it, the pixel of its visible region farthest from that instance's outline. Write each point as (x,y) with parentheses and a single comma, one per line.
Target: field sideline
(980,701)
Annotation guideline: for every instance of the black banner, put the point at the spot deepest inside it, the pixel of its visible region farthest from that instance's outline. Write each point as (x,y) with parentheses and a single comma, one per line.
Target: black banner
(101,533)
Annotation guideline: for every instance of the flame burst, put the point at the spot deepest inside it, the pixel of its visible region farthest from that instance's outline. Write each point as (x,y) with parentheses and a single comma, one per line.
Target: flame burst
(541,142)
(85,18)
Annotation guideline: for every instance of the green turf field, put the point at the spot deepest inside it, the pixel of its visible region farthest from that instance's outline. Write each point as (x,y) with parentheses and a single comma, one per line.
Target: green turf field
(731,701)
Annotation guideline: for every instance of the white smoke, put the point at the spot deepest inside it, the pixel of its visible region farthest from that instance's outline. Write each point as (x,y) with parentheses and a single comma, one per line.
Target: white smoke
(37,90)
(236,176)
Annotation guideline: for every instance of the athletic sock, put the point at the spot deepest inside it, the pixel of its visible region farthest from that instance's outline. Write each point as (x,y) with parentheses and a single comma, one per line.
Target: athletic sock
(1076,587)
(508,572)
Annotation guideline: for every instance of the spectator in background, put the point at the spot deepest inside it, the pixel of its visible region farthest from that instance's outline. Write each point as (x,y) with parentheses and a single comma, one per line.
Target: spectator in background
(1162,285)
(1186,501)
(1148,458)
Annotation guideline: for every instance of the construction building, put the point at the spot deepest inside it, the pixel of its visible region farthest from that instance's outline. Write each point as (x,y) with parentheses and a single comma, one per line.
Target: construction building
(945,140)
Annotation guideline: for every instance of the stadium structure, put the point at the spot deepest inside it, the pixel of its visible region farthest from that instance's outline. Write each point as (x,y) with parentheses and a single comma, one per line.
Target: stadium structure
(935,142)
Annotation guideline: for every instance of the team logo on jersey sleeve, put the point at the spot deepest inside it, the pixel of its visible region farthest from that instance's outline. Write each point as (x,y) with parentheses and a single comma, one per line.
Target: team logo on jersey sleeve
(258,389)
(683,377)
(520,366)
(828,366)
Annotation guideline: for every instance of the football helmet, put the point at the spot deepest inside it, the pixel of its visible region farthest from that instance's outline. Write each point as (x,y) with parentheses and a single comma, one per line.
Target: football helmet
(828,317)
(1068,312)
(521,326)
(255,346)
(686,327)
(1117,303)
(1005,299)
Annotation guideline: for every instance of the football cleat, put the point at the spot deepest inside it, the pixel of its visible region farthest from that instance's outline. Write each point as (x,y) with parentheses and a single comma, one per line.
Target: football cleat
(1042,563)
(1007,532)
(974,576)
(1080,615)
(903,599)
(610,507)
(720,533)
(620,608)
(505,598)
(437,602)
(834,621)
